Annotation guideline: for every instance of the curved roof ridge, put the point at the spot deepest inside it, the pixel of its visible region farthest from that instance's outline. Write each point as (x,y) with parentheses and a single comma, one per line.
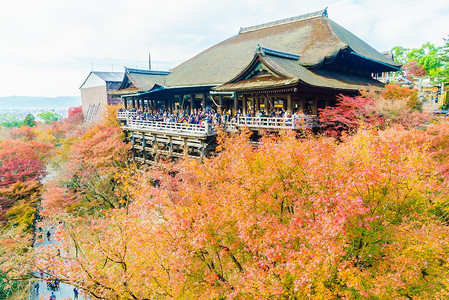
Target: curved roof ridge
(314,14)
(147,72)
(267,51)
(358,46)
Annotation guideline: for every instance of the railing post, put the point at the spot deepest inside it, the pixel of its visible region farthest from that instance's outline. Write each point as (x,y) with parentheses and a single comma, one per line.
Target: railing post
(207,126)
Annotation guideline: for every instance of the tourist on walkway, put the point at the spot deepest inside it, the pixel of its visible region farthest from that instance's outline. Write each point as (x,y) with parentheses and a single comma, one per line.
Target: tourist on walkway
(48,235)
(37,288)
(75,292)
(52,296)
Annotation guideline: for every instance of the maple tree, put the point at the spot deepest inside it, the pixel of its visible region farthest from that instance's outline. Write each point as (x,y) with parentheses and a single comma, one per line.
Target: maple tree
(412,69)
(293,218)
(395,105)
(297,217)
(19,161)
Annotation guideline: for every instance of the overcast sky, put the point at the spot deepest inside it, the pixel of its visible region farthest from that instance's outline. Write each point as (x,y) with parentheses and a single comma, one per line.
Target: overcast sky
(48,47)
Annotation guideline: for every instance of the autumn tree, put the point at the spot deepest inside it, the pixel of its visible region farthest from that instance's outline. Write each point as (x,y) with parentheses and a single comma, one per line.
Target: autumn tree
(412,69)
(395,105)
(293,218)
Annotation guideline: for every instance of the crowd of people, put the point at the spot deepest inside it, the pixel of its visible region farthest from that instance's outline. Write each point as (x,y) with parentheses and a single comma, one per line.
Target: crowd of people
(201,117)
(52,284)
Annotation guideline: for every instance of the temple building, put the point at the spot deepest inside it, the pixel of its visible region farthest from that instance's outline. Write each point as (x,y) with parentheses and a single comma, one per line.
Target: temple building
(268,77)
(300,63)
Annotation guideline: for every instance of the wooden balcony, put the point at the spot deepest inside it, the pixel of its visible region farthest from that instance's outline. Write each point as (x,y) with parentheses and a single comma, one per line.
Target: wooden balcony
(253,123)
(181,129)
(153,139)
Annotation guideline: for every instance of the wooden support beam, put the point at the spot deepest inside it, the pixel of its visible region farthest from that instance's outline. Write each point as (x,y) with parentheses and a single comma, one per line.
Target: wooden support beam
(244,104)
(289,103)
(185,147)
(203,101)
(220,104)
(133,149)
(265,104)
(144,145)
(170,147)
(191,101)
(235,108)
(155,147)
(202,149)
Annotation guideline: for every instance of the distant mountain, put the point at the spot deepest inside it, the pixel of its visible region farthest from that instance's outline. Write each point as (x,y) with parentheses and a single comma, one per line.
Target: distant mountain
(23,102)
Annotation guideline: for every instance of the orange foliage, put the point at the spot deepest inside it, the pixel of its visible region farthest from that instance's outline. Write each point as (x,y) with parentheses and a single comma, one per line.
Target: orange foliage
(292,218)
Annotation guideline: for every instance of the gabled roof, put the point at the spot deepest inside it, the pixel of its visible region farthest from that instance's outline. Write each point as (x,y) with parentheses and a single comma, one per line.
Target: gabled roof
(136,80)
(104,76)
(284,70)
(313,37)
(110,76)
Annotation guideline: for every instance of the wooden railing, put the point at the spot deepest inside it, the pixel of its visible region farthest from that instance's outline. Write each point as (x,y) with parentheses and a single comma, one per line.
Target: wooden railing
(276,123)
(171,126)
(250,122)
(123,115)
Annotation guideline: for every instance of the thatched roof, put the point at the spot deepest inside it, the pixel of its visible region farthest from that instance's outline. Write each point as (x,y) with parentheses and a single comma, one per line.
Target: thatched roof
(313,37)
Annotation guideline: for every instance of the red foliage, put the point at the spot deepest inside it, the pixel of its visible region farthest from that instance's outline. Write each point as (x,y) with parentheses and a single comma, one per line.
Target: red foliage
(75,115)
(412,69)
(19,161)
(349,114)
(101,149)
(24,133)
(57,199)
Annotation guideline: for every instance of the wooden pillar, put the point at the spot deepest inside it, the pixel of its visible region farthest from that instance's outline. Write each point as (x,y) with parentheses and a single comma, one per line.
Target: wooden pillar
(235,104)
(191,103)
(133,141)
(202,149)
(244,104)
(270,103)
(220,104)
(203,101)
(257,106)
(133,102)
(144,145)
(155,148)
(185,147)
(125,101)
(170,147)
(265,104)
(289,103)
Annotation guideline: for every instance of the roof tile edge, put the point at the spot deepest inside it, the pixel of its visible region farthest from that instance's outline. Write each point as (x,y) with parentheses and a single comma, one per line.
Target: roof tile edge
(148,72)
(263,51)
(318,13)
